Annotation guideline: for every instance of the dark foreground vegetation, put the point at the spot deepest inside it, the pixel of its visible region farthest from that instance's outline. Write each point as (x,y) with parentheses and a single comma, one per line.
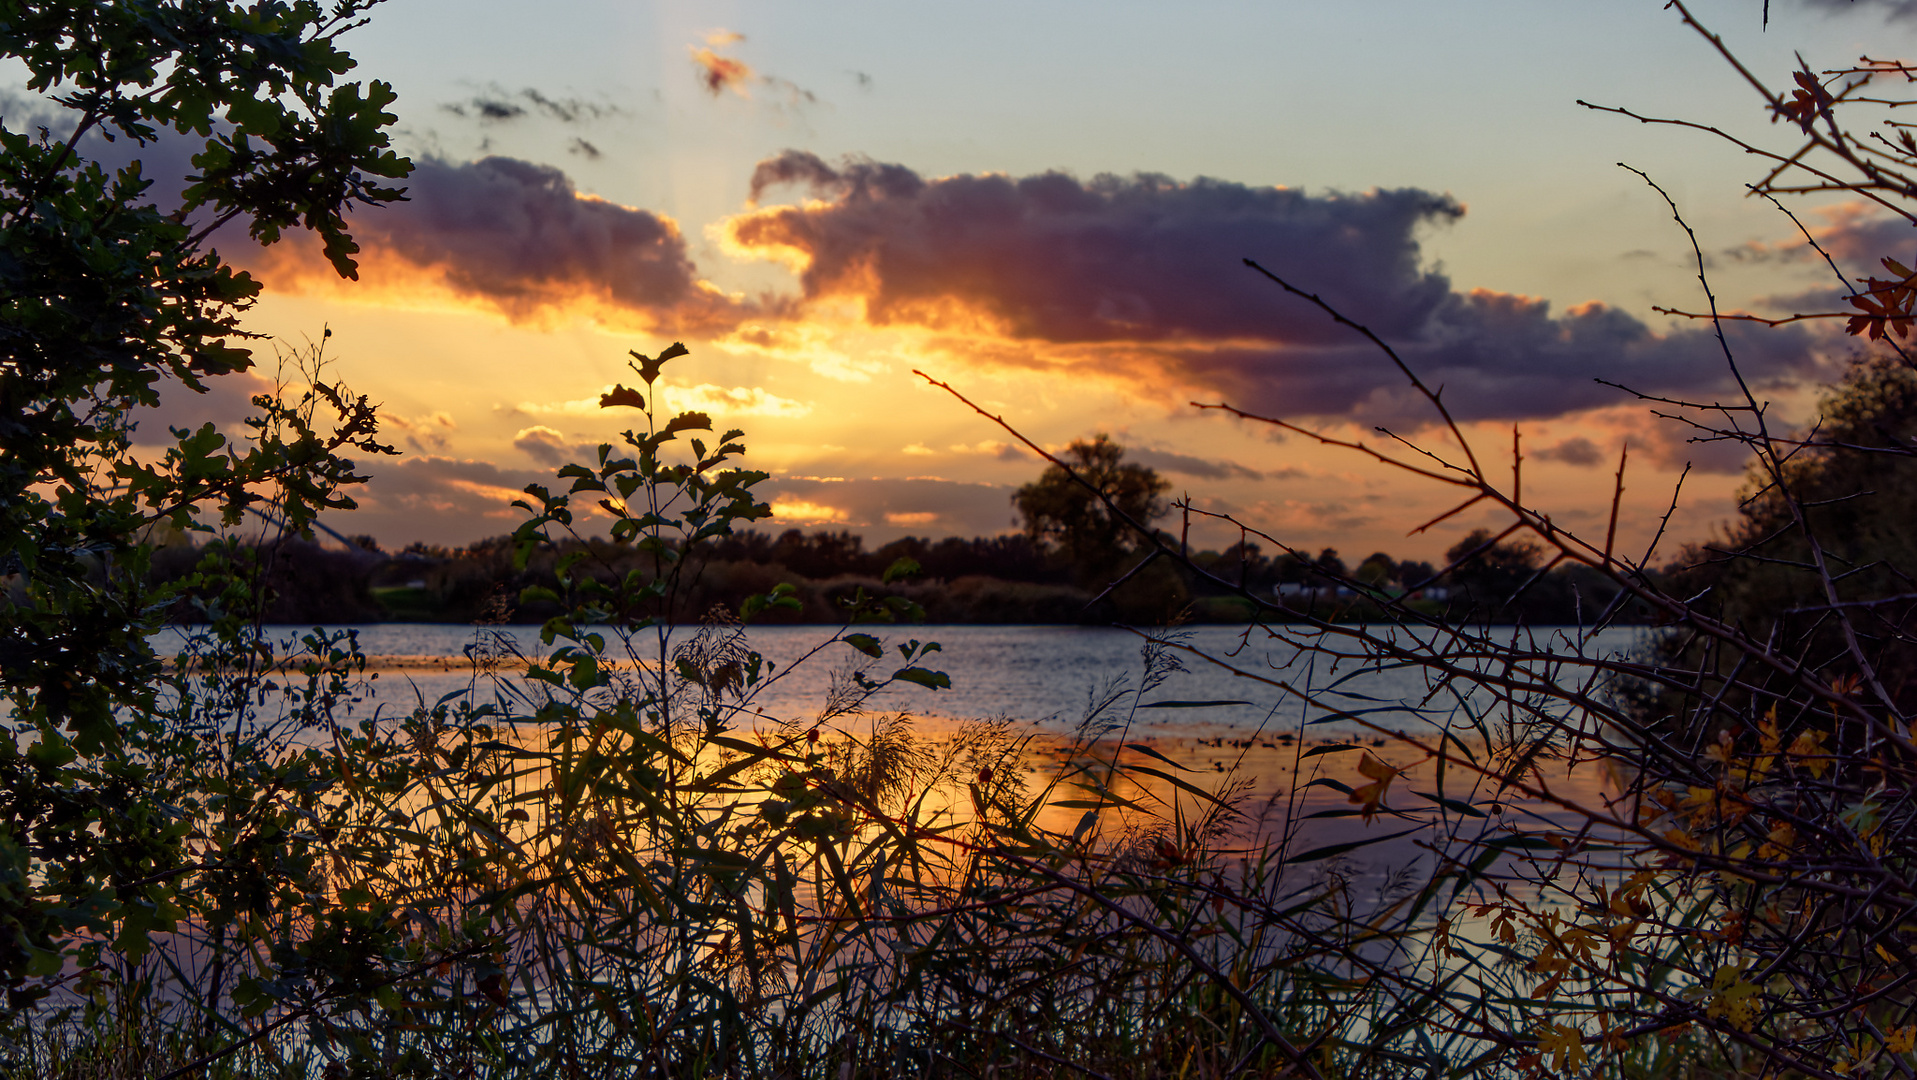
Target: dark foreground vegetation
(622,866)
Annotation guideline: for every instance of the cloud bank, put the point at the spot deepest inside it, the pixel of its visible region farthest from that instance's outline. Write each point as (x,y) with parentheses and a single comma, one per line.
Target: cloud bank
(1136,279)
(1142,278)
(520,238)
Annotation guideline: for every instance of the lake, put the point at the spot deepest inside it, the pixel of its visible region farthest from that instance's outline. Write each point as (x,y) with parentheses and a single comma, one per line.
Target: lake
(1046,675)
(1046,678)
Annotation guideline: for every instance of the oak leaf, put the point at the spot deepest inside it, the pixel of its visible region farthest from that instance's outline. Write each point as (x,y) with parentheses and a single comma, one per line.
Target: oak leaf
(621,395)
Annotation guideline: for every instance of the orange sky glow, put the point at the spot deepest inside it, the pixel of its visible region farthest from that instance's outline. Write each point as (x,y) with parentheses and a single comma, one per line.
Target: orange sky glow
(757,195)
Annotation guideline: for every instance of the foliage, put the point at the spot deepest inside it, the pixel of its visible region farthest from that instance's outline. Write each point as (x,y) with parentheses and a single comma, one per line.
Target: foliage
(112,297)
(1735,898)
(1854,481)
(621,865)
(1088,503)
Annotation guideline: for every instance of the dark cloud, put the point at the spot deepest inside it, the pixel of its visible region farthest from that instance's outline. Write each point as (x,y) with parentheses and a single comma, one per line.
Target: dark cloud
(1142,277)
(489,109)
(1859,242)
(435,500)
(581,146)
(1576,450)
(1891,9)
(521,237)
(1053,258)
(1671,444)
(551,448)
(495,105)
(514,234)
(1165,461)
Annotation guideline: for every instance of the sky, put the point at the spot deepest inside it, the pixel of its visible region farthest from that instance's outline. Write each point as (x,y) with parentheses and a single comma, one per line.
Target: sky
(1048,207)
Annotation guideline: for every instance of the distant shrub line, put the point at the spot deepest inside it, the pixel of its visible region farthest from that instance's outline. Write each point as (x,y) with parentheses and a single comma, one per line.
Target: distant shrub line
(986,580)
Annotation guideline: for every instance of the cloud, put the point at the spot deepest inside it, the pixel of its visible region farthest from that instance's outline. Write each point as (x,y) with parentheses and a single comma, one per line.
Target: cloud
(1141,279)
(738,401)
(496,105)
(521,239)
(722,73)
(1663,442)
(1187,465)
(426,434)
(721,402)
(1576,450)
(1892,9)
(551,448)
(886,508)
(437,500)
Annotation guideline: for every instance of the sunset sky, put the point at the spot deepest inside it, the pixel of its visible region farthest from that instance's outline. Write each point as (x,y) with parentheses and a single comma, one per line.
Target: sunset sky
(1047,205)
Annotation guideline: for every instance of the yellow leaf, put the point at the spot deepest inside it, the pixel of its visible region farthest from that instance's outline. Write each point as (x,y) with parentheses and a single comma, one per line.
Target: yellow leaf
(1732,998)
(1767,732)
(1903,1040)
(1809,750)
(1564,1043)
(1371,796)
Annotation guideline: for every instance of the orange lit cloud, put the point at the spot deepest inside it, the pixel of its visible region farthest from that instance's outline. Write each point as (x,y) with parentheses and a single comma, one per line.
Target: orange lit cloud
(884,508)
(801,512)
(520,239)
(720,73)
(1142,279)
(438,500)
(704,397)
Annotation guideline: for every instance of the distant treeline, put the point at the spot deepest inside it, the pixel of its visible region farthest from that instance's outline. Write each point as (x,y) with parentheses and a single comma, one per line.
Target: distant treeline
(998,579)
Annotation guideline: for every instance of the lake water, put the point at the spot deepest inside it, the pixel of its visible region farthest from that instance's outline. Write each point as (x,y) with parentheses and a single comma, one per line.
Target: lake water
(1046,675)
(1044,678)
(1266,755)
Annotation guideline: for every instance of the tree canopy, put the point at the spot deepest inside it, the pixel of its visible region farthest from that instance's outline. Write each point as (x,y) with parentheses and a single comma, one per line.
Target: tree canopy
(110,295)
(107,296)
(1092,506)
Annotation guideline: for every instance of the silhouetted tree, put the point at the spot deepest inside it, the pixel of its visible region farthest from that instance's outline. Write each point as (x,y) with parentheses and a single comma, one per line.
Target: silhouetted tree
(1488,574)
(1084,511)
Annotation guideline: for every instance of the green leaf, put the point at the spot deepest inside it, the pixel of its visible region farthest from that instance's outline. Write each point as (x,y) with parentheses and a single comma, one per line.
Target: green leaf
(1149,752)
(1177,782)
(648,367)
(932,680)
(1454,805)
(1329,850)
(903,567)
(688,421)
(621,395)
(866,644)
